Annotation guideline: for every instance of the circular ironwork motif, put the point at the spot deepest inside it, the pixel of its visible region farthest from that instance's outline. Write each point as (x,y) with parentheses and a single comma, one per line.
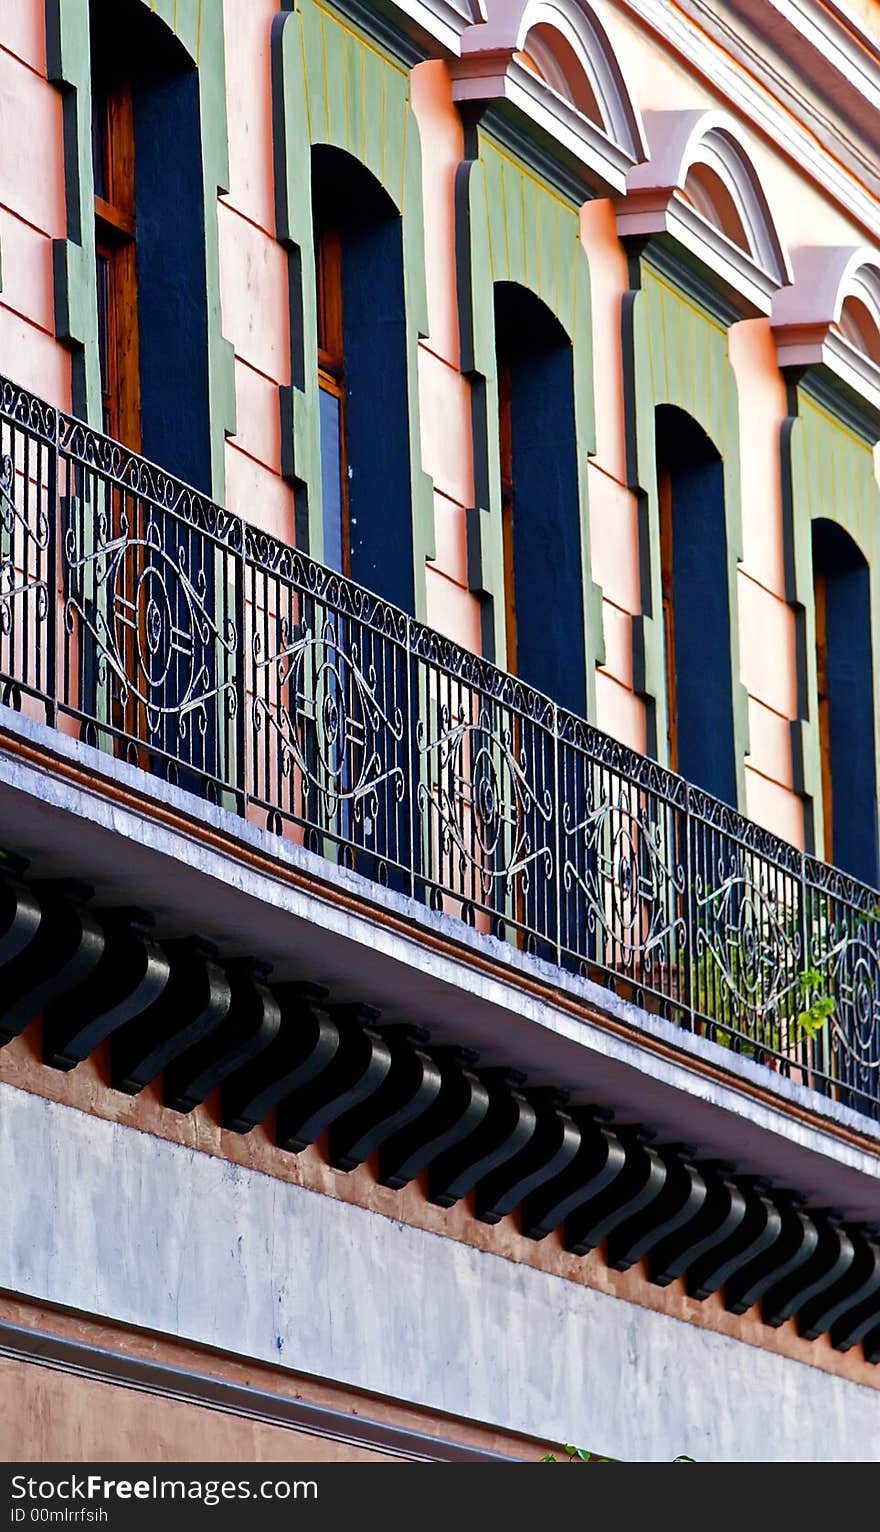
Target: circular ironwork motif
(338,715)
(491,810)
(154,622)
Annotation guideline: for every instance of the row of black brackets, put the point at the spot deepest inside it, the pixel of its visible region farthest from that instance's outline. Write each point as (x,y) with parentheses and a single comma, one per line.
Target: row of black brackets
(175,1009)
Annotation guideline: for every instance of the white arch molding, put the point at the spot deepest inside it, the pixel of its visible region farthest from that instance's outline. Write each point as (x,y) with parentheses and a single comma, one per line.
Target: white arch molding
(549,65)
(810,322)
(720,219)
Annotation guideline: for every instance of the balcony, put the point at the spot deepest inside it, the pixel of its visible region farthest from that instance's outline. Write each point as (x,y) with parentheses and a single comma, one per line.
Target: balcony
(142,619)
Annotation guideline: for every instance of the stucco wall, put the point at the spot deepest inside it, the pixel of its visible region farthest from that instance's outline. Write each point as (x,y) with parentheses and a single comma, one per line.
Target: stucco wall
(150,1234)
(49,1416)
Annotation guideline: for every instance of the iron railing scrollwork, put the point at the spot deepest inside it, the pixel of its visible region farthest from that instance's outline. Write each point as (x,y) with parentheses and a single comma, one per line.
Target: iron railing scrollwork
(140,615)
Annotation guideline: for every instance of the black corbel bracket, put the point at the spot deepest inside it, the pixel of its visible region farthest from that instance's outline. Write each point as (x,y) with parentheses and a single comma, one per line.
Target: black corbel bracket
(355,1072)
(191,1006)
(860,1316)
(20,917)
(548,1153)
(599,1161)
(718,1218)
(637,1188)
(756,1233)
(830,1257)
(66,946)
(505,1130)
(797,1241)
(249,1027)
(455,1113)
(305,1044)
(129,976)
(406,1094)
(682,1196)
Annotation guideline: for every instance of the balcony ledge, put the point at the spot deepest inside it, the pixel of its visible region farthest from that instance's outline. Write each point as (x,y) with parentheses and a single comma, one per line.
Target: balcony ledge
(76,811)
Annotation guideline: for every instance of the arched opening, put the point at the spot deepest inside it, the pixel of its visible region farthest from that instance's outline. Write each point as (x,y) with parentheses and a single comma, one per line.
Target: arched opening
(552,58)
(705,191)
(845,688)
(150,239)
(858,325)
(540,497)
(362,362)
(696,604)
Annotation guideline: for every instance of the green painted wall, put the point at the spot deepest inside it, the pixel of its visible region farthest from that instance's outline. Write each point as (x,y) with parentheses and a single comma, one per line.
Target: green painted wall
(829,472)
(334,85)
(677,353)
(513,226)
(198,26)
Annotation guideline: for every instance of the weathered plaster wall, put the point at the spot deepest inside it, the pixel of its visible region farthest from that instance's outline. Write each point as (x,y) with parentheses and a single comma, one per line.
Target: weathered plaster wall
(250,1409)
(147,1233)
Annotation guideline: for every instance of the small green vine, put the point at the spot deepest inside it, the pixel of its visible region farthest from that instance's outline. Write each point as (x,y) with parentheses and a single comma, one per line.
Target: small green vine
(815,991)
(580,1455)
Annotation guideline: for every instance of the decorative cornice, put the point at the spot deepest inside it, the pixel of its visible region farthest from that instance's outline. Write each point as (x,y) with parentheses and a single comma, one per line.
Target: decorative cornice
(825,384)
(746,77)
(542,150)
(670,259)
(407,45)
(827,46)
(811,346)
(655,211)
(596,157)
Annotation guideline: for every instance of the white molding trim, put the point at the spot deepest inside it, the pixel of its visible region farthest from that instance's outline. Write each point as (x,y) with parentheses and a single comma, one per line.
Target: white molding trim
(439,22)
(831,34)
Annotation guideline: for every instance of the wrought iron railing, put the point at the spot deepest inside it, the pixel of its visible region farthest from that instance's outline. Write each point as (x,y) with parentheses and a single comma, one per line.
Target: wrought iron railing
(141,616)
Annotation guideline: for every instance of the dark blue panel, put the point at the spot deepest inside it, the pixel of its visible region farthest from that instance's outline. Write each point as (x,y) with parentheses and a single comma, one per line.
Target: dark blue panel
(851,703)
(706,742)
(331,479)
(377,408)
(706,748)
(172,303)
(548,587)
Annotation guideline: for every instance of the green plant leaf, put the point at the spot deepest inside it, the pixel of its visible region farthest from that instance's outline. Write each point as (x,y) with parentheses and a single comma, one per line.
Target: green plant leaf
(809,978)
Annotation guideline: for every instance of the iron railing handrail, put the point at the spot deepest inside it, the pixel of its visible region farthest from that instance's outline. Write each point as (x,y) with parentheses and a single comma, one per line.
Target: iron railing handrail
(210,652)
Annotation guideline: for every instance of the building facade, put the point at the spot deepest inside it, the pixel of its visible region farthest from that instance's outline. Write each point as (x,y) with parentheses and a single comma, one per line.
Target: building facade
(439,545)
